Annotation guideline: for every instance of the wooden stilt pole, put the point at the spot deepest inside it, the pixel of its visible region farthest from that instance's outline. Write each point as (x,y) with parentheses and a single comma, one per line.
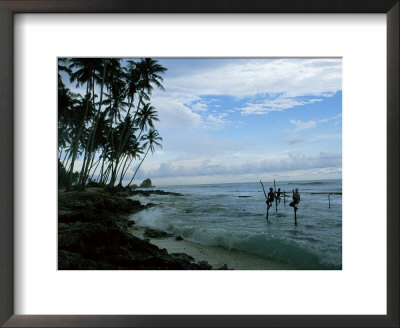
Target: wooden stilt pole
(276,200)
(329,199)
(295,218)
(284,197)
(266,198)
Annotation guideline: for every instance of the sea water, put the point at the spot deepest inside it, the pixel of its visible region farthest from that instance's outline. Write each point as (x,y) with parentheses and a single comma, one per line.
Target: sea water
(233,216)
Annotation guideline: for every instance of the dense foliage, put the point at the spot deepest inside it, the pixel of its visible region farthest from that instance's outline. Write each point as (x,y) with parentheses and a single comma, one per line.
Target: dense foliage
(110,124)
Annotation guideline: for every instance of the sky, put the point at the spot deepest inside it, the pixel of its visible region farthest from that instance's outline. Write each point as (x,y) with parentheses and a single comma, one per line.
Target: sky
(242,120)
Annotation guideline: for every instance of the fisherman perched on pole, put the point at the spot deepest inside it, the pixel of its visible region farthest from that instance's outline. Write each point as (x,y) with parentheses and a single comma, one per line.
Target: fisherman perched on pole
(296,199)
(278,195)
(271,197)
(295,202)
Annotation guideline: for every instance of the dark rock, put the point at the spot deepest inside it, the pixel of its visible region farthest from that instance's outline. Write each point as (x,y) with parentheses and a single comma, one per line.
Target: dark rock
(147,193)
(203,265)
(93,235)
(74,261)
(179,238)
(146,184)
(153,233)
(224,267)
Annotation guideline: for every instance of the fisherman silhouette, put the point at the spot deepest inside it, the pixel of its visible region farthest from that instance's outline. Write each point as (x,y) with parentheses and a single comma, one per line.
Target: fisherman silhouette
(278,195)
(270,198)
(296,199)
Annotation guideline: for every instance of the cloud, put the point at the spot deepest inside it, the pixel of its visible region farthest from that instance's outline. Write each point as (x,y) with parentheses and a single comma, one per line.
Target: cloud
(210,167)
(293,77)
(327,137)
(278,104)
(267,85)
(302,125)
(173,112)
(292,140)
(199,107)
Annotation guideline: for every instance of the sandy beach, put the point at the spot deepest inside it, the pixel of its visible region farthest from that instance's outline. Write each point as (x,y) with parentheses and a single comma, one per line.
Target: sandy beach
(217,257)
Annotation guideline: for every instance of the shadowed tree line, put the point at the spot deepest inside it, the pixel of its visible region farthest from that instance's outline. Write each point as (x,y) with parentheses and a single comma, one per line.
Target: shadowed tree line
(110,126)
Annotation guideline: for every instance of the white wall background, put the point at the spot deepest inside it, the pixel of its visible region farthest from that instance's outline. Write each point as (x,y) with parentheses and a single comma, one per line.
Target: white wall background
(360,288)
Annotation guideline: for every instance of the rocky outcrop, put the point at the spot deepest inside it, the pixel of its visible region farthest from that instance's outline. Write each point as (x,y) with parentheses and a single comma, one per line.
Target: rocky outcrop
(146,184)
(153,233)
(154,192)
(93,235)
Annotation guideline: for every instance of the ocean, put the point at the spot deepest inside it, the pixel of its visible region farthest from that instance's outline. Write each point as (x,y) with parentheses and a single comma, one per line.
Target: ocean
(233,216)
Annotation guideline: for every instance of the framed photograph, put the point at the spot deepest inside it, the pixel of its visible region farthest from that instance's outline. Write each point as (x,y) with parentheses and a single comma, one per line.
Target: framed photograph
(218,164)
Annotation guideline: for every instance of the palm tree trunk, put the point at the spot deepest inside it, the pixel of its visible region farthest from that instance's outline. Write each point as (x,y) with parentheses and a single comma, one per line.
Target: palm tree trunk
(105,150)
(120,164)
(138,166)
(107,174)
(98,162)
(94,127)
(76,141)
(91,164)
(87,154)
(124,134)
(104,155)
(66,153)
(127,167)
(113,157)
(122,172)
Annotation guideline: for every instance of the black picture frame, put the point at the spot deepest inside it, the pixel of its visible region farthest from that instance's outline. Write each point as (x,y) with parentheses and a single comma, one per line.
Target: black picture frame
(10,7)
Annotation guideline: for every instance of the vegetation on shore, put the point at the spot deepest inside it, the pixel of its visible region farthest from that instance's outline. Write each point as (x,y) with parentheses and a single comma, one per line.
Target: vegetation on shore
(109,125)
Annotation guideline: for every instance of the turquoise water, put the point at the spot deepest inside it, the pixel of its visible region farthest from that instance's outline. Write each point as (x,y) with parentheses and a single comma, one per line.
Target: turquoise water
(215,215)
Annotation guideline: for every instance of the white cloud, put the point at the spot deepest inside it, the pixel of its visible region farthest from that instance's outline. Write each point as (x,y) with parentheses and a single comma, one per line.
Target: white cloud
(199,107)
(173,112)
(327,137)
(212,167)
(278,104)
(215,120)
(294,77)
(302,125)
(288,78)
(292,140)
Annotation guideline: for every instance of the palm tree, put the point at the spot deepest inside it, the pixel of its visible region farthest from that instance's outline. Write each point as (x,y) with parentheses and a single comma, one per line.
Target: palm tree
(151,140)
(66,102)
(117,105)
(140,77)
(149,71)
(103,65)
(93,125)
(62,66)
(84,74)
(146,117)
(134,151)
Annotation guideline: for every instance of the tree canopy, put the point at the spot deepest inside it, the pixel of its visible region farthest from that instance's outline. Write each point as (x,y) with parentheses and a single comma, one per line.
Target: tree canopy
(109,126)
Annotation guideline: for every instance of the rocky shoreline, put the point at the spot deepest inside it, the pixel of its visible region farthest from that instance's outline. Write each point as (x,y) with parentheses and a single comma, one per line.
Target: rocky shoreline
(93,234)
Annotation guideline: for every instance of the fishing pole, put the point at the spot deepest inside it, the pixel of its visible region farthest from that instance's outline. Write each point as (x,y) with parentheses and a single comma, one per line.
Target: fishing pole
(265,194)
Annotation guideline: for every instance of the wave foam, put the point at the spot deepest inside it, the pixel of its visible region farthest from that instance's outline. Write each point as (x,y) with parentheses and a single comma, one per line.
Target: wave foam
(262,244)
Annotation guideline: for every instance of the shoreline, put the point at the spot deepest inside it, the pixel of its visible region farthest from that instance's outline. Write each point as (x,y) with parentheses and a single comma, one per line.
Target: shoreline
(93,234)
(96,231)
(218,257)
